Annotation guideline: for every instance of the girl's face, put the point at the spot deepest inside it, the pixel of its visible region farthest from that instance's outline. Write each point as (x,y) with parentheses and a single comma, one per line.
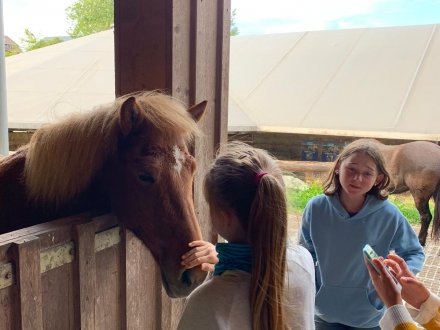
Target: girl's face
(358,174)
(227,225)
(217,221)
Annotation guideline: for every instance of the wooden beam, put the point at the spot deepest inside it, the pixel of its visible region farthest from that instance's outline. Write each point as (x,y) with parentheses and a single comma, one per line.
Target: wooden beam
(182,48)
(85,276)
(26,253)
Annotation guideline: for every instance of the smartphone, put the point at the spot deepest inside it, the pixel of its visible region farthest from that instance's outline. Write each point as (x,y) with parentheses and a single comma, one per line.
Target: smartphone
(370,254)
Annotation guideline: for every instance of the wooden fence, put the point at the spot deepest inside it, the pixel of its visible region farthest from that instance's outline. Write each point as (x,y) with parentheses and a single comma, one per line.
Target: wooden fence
(305,170)
(81,273)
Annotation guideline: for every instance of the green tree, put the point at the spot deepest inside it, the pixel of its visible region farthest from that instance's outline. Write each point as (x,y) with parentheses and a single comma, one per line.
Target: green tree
(13,51)
(90,16)
(234,29)
(31,42)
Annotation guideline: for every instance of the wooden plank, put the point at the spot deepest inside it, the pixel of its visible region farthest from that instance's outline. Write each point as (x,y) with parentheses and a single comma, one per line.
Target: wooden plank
(43,229)
(172,310)
(7,275)
(85,276)
(142,286)
(7,306)
(211,77)
(56,267)
(60,255)
(58,298)
(55,232)
(303,166)
(108,289)
(222,72)
(26,253)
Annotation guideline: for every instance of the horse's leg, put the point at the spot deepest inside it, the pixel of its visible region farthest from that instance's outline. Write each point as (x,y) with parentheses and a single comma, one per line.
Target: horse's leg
(422,205)
(435,231)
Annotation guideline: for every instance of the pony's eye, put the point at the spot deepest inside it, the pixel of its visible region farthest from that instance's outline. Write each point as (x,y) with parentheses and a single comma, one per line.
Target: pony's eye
(146,177)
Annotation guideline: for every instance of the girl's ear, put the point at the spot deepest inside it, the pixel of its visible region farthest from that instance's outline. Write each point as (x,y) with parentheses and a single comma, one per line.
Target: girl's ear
(228,217)
(379,179)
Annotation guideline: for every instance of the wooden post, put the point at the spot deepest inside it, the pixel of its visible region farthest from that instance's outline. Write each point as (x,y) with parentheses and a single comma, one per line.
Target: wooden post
(181,47)
(140,277)
(85,276)
(26,253)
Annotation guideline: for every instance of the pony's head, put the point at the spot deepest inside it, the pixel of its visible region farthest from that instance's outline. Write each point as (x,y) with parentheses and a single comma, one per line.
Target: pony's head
(151,182)
(139,148)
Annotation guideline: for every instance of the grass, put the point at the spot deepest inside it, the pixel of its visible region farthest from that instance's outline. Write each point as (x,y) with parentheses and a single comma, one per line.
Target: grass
(298,198)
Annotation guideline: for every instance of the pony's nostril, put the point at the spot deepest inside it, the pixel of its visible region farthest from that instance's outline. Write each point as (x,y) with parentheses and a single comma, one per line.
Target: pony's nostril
(186,278)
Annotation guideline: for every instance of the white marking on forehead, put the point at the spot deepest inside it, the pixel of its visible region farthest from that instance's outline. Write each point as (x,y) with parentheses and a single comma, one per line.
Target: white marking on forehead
(179,156)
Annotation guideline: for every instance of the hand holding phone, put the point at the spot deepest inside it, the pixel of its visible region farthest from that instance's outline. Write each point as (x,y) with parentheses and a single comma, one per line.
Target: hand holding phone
(370,254)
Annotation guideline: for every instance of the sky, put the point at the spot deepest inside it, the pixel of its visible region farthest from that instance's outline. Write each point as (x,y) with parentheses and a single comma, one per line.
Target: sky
(47,18)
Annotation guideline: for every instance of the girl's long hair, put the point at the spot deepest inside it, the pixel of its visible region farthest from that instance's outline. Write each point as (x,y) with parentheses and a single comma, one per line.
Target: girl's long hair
(235,182)
(332,185)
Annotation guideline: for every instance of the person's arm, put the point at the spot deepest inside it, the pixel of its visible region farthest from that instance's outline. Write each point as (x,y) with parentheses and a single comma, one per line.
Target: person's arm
(305,238)
(424,305)
(202,254)
(426,309)
(407,246)
(414,292)
(429,313)
(396,316)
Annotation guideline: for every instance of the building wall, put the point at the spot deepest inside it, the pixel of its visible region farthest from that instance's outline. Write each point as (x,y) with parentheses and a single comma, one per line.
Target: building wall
(306,147)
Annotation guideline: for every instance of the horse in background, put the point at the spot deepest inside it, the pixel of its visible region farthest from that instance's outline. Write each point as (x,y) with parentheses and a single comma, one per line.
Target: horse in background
(130,157)
(415,167)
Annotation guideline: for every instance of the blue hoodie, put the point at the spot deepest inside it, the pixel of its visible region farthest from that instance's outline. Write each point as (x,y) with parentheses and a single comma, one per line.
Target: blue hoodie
(345,293)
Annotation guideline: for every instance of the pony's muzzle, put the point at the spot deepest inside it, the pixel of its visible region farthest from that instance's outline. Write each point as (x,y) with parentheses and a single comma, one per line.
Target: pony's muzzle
(188,280)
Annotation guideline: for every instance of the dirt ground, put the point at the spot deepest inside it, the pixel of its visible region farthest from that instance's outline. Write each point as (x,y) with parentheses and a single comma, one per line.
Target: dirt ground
(430,274)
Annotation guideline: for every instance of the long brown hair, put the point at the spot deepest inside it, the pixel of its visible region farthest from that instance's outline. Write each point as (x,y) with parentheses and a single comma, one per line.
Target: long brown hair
(332,185)
(236,182)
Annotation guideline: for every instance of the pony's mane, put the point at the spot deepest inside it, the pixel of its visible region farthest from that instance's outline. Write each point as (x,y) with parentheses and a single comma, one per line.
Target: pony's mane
(166,114)
(64,157)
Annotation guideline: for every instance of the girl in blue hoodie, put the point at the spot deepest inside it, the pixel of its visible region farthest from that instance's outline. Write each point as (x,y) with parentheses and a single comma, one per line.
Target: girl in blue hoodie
(352,212)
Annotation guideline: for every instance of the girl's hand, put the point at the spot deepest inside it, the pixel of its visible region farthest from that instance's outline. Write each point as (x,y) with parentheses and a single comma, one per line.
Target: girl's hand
(386,287)
(414,292)
(202,254)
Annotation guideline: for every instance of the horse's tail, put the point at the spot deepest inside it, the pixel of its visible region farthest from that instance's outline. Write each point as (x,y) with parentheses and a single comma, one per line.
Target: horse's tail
(435,232)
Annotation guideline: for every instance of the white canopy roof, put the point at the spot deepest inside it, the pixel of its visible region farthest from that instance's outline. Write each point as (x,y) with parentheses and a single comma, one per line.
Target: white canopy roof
(381,82)
(46,84)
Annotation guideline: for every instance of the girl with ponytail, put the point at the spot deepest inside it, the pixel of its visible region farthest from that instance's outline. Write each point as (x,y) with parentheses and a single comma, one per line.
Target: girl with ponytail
(259,282)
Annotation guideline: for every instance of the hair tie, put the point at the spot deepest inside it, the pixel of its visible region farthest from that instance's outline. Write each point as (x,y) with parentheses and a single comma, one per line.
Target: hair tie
(258,177)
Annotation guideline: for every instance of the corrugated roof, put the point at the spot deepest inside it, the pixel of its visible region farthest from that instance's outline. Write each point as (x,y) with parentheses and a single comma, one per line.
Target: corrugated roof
(381,82)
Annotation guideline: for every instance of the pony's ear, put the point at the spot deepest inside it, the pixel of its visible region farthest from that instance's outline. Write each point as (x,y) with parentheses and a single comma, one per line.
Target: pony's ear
(198,110)
(129,115)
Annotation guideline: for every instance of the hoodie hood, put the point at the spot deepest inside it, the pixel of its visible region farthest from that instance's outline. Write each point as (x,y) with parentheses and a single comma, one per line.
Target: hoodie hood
(371,205)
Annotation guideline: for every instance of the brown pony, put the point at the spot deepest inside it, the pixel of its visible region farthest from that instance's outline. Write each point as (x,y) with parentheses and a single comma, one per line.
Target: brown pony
(415,167)
(130,157)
